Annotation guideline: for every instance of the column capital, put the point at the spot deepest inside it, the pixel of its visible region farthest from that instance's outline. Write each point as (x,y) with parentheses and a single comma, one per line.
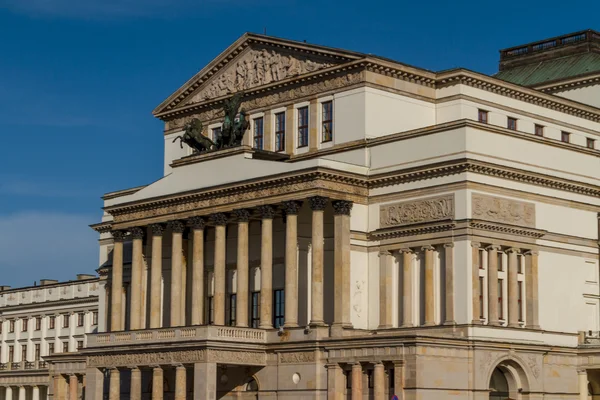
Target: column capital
(427,247)
(197,223)
(475,244)
(137,232)
(333,366)
(242,215)
(406,250)
(291,207)
(118,236)
(377,363)
(581,371)
(176,226)
(157,229)
(493,247)
(342,207)
(448,245)
(155,366)
(134,367)
(219,219)
(266,212)
(514,250)
(384,253)
(532,253)
(179,366)
(317,203)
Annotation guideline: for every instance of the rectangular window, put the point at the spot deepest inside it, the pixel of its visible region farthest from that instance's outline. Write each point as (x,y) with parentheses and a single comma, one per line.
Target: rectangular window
(481,266)
(11,326)
(232,309)
(258,133)
(255,314)
(37,352)
(38,323)
(50,348)
(79,344)
(565,137)
(500,266)
(500,309)
(279,302)
(280,131)
(11,354)
(512,123)
(481,283)
(211,311)
(520,300)
(95,318)
(216,134)
(1,325)
(80,319)
(519,264)
(65,347)
(590,143)
(65,320)
(24,352)
(327,121)
(24,323)
(483,116)
(539,130)
(52,322)
(303,127)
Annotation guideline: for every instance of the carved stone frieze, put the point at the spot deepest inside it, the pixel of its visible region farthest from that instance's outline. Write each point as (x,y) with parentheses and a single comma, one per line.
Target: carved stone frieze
(236,357)
(297,357)
(413,212)
(119,360)
(499,209)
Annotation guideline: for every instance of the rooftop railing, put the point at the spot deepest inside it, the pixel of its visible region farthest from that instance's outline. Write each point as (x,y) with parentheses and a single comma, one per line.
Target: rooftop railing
(551,43)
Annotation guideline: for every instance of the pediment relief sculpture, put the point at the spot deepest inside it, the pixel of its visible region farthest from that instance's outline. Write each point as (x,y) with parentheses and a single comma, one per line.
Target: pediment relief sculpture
(255,68)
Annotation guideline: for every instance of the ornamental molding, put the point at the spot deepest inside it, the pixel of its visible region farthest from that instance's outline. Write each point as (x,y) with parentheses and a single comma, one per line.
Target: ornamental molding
(417,211)
(499,209)
(177,357)
(507,229)
(297,357)
(578,82)
(424,229)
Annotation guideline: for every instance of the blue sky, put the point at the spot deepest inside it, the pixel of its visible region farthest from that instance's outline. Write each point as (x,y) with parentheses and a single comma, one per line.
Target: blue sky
(79,79)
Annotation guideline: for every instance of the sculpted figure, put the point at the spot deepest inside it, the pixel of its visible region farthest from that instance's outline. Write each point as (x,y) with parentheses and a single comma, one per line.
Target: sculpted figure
(194,138)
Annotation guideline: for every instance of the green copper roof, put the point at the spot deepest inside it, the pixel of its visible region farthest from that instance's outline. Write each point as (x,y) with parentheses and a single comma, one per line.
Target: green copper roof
(554,69)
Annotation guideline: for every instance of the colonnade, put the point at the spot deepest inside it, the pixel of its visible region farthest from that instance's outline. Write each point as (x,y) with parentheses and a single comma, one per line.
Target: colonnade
(241,217)
(354,379)
(20,392)
(67,387)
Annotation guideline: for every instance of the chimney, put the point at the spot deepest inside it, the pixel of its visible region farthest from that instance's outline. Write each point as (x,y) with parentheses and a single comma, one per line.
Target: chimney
(45,282)
(82,277)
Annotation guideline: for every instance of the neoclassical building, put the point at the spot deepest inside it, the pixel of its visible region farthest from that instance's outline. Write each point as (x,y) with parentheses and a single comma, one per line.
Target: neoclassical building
(382,229)
(41,323)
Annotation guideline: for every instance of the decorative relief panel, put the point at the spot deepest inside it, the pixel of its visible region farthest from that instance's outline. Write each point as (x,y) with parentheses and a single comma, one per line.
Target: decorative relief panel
(299,357)
(498,209)
(173,357)
(413,212)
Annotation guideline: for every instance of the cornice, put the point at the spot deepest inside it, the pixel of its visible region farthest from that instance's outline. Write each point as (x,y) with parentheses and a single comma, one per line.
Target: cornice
(506,229)
(121,193)
(45,304)
(572,83)
(412,230)
(102,227)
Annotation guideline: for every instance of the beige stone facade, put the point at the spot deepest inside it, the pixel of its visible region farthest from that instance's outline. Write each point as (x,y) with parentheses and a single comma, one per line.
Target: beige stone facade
(380,231)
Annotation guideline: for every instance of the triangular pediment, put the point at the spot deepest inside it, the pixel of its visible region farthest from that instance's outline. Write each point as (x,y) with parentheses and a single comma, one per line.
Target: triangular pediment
(252,62)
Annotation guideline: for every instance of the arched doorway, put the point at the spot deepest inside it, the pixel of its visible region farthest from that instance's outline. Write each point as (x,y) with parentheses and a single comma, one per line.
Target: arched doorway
(508,381)
(499,389)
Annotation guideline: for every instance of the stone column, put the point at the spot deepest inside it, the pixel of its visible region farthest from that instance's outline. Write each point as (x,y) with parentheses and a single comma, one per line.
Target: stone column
(386,262)
(357,387)
(180,382)
(449,260)
(137,264)
(116,290)
(35,392)
(60,387)
(475,283)
(94,384)
(205,381)
(335,382)
(136,384)
(583,384)
(157,382)
(531,290)
(114,392)
(317,204)
(177,228)
(429,288)
(398,378)
(73,386)
(220,222)
(8,393)
(291,209)
(156,276)
(266,268)
(341,269)
(241,317)
(513,288)
(22,393)
(492,274)
(197,289)
(407,283)
(379,382)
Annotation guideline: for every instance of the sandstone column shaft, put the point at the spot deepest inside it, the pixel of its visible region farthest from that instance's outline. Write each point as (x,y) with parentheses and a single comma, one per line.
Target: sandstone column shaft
(8,392)
(266,268)
(22,393)
(183,295)
(35,393)
(429,288)
(379,382)
(493,318)
(205,381)
(220,221)
(407,282)
(357,387)
(115,385)
(197,289)
(137,264)
(398,378)
(583,384)
(136,384)
(157,383)
(335,382)
(317,204)
(156,277)
(341,272)
(513,289)
(531,289)
(177,228)
(449,260)
(241,318)
(475,283)
(94,384)
(385,289)
(291,263)
(180,382)
(73,386)
(60,388)
(116,291)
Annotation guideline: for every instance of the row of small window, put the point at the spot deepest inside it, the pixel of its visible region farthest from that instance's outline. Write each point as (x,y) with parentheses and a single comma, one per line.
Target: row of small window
(37,352)
(280,128)
(278,315)
(51,322)
(511,123)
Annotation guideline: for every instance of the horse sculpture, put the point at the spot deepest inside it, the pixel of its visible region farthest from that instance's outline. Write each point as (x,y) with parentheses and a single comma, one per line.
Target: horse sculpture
(194,138)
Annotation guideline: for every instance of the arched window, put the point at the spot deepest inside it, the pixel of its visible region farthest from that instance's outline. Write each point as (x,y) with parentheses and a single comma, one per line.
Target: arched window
(498,386)
(252,385)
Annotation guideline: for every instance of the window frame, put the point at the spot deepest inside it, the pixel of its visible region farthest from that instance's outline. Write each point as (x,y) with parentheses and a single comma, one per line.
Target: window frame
(80,319)
(52,322)
(279,131)
(481,299)
(590,143)
(303,130)
(232,309)
(255,309)
(210,310)
(325,122)
(51,348)
(565,137)
(38,323)
(11,354)
(213,131)
(258,138)
(501,299)
(11,326)
(520,300)
(95,318)
(24,352)
(510,120)
(79,344)
(37,350)
(483,116)
(24,324)
(65,347)
(66,321)
(278,308)
(538,130)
